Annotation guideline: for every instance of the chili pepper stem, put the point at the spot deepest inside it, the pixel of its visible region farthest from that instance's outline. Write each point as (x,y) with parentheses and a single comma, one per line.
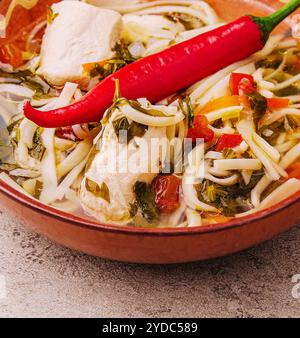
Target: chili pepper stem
(268,23)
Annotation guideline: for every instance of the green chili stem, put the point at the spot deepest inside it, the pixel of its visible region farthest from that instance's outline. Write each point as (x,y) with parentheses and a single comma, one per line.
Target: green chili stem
(267,24)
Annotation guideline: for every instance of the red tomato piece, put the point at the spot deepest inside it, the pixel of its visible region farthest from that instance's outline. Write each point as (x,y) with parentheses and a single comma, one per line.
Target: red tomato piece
(242,84)
(278,103)
(167,193)
(200,130)
(229,141)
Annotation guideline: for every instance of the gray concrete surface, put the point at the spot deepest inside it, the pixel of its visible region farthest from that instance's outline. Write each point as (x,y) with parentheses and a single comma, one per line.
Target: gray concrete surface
(46,280)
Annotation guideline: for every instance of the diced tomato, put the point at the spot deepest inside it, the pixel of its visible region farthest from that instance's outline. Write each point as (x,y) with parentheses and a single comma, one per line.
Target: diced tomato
(66,133)
(242,84)
(219,103)
(167,193)
(278,103)
(21,23)
(246,87)
(294,170)
(229,141)
(200,130)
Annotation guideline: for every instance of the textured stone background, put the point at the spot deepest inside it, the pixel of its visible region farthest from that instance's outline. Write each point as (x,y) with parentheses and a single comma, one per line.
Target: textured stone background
(46,280)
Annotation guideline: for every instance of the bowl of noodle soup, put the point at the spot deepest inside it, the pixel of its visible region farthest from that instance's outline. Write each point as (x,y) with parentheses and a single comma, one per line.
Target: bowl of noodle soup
(50,178)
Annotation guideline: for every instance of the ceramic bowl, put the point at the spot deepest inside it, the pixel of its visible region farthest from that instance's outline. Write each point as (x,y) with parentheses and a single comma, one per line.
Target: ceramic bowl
(159,246)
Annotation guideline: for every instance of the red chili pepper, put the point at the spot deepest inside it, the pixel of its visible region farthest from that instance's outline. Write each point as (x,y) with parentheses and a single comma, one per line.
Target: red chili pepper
(200,130)
(242,84)
(229,141)
(160,75)
(167,191)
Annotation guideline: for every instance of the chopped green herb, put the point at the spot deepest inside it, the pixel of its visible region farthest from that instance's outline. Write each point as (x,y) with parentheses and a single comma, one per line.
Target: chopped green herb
(276,127)
(211,192)
(291,124)
(8,166)
(36,87)
(121,59)
(258,103)
(273,62)
(229,153)
(145,201)
(133,209)
(14,131)
(99,191)
(38,150)
(96,71)
(152,112)
(22,75)
(38,189)
(186,20)
(26,78)
(14,124)
(232,207)
(121,124)
(187,109)
(229,200)
(133,130)
(122,53)
(288,91)
(51,16)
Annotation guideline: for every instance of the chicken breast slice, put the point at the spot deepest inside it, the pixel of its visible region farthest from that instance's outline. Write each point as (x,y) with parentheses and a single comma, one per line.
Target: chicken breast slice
(79,34)
(120,185)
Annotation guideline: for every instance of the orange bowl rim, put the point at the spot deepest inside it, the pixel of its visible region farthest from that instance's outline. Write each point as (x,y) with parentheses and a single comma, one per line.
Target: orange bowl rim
(51,212)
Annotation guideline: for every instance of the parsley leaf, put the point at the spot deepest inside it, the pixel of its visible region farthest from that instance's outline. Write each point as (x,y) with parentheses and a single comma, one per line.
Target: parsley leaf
(145,200)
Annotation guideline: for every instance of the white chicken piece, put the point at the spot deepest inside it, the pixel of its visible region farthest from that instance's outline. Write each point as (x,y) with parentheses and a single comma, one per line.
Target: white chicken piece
(78,34)
(119,185)
(145,28)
